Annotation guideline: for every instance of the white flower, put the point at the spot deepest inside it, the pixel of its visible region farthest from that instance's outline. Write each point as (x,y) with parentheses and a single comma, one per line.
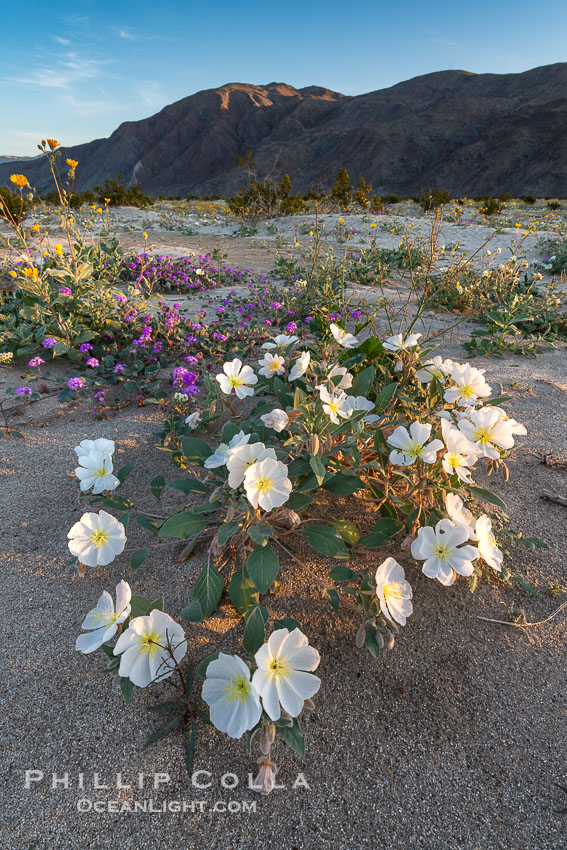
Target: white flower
(345,382)
(145,656)
(470,386)
(103,621)
(398,343)
(101,444)
(412,444)
(486,543)
(193,419)
(441,549)
(360,402)
(96,539)
(461,453)
(393,591)
(95,471)
(459,514)
(199,271)
(222,454)
(342,337)
(265,782)
(334,405)
(435,368)
(491,433)
(282,678)
(276,419)
(272,364)
(244,456)
(267,484)
(234,702)
(180,398)
(238,378)
(281,341)
(300,366)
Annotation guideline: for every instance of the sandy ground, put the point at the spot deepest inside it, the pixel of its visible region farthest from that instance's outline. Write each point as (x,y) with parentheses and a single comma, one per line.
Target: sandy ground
(455,739)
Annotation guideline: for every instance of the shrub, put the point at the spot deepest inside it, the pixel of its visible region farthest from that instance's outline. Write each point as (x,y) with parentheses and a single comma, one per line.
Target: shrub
(432,199)
(342,192)
(12,205)
(491,206)
(529,200)
(116,194)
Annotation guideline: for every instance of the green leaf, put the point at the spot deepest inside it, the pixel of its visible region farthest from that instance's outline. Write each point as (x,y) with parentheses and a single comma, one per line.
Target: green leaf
(226,530)
(260,533)
(242,592)
(139,606)
(108,650)
(202,668)
(195,451)
(363,382)
(254,632)
(370,641)
(208,588)
(146,522)
(318,468)
(262,566)
(164,730)
(341,573)
(348,531)
(157,604)
(284,397)
(60,347)
(183,525)
(325,540)
(331,596)
(138,559)
(293,736)
(381,535)
(385,396)
(344,484)
(156,486)
(192,611)
(297,501)
(188,485)
(125,471)
(288,623)
(127,688)
(486,496)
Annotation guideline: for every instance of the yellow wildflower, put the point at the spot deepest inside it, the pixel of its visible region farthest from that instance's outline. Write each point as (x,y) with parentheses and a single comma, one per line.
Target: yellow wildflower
(99,210)
(31,273)
(72,163)
(19,180)
(35,228)
(58,250)
(145,235)
(13,274)
(53,143)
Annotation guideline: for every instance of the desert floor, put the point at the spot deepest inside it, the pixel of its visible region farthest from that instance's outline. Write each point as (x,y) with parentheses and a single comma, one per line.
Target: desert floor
(454,739)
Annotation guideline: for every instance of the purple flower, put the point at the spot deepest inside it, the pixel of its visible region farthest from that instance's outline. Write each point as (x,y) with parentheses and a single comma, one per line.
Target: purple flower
(23,391)
(85,347)
(92,362)
(65,291)
(191,359)
(118,368)
(36,362)
(75,383)
(121,299)
(291,327)
(307,319)
(356,314)
(99,396)
(276,305)
(48,342)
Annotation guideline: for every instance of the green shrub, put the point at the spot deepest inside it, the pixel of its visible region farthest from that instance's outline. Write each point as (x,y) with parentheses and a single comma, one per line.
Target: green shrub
(491,206)
(12,206)
(116,194)
(528,199)
(342,192)
(432,199)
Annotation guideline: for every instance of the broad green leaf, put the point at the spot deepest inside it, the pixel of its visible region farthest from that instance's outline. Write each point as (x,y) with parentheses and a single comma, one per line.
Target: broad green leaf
(348,531)
(146,522)
(486,496)
(138,559)
(325,540)
(208,588)
(226,530)
(332,597)
(202,668)
(293,736)
(127,688)
(370,641)
(318,469)
(341,573)
(363,382)
(260,533)
(288,623)
(125,471)
(343,484)
(242,592)
(192,612)
(297,501)
(156,486)
(385,396)
(262,566)
(183,525)
(189,485)
(195,451)
(254,632)
(139,606)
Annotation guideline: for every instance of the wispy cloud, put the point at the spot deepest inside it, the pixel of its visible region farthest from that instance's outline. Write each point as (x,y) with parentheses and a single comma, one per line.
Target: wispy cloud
(446,42)
(151,93)
(69,69)
(62,40)
(124,32)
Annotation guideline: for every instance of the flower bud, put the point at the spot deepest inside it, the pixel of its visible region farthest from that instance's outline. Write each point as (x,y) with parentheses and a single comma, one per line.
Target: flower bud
(266,779)
(389,640)
(309,705)
(359,639)
(267,736)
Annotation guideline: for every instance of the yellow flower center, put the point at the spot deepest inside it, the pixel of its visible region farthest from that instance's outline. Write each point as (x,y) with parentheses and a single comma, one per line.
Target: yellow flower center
(236,382)
(264,484)
(442,551)
(278,669)
(149,643)
(483,435)
(100,472)
(238,689)
(467,391)
(393,590)
(455,460)
(99,537)
(413,449)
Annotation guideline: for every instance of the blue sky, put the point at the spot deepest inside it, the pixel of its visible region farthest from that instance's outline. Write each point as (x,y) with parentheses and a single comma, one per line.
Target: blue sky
(75,71)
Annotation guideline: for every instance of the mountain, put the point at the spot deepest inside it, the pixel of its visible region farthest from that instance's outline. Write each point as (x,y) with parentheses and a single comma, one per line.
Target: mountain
(9,158)
(469,133)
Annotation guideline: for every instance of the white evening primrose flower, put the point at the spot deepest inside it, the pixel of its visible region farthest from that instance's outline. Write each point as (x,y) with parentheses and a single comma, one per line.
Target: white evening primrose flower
(276,419)
(222,454)
(334,405)
(489,431)
(345,382)
(238,378)
(101,444)
(486,543)
(343,338)
(96,539)
(266,484)
(300,366)
(272,364)
(280,341)
(461,454)
(103,621)
(180,398)
(442,551)
(284,678)
(400,343)
(355,403)
(193,419)
(459,514)
(393,591)
(95,470)
(470,387)
(435,368)
(233,701)
(146,648)
(412,444)
(244,456)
